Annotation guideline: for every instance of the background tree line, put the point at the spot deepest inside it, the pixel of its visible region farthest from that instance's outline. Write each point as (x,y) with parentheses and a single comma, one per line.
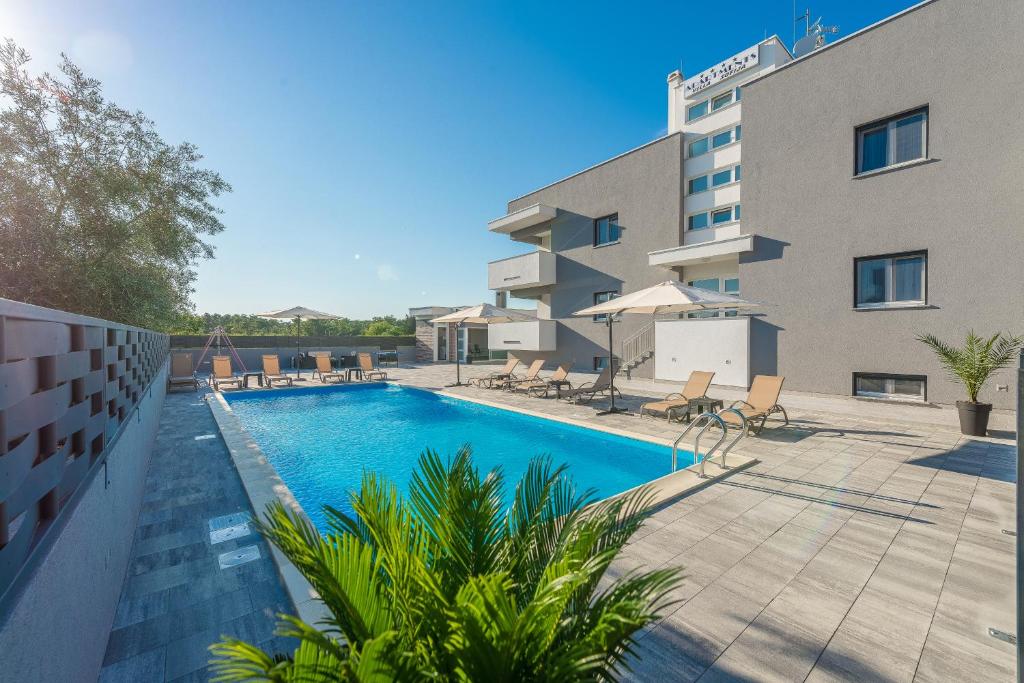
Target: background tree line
(252,325)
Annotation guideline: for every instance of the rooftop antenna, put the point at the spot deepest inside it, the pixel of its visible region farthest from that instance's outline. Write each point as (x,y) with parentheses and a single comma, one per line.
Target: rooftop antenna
(814,34)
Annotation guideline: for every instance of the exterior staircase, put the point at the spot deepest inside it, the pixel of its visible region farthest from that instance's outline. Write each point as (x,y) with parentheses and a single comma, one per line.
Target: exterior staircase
(637,348)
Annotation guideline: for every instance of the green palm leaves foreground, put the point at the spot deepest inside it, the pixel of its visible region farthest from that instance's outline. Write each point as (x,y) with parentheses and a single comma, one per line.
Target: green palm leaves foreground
(447,584)
(973,363)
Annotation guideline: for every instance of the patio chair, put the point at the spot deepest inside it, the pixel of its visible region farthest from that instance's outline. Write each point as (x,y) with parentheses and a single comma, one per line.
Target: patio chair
(222,373)
(183,372)
(586,392)
(556,380)
(505,373)
(326,372)
(531,375)
(762,401)
(696,387)
(370,372)
(272,370)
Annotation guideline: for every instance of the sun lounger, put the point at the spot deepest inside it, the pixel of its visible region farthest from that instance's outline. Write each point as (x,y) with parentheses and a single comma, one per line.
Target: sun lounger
(326,372)
(762,401)
(272,371)
(586,392)
(505,373)
(531,375)
(183,372)
(696,387)
(222,373)
(370,372)
(556,380)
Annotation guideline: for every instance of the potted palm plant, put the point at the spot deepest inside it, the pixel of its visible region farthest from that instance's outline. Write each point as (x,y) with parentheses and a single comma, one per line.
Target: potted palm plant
(448,584)
(972,364)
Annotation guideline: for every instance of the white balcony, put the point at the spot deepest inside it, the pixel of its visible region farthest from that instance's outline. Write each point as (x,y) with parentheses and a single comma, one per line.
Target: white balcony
(527,271)
(720,247)
(530,335)
(523,218)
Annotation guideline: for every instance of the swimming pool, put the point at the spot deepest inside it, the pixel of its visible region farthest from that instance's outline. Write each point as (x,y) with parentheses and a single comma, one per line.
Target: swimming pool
(320,440)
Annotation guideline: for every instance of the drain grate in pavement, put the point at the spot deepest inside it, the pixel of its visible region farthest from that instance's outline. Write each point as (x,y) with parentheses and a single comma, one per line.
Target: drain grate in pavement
(224,521)
(239,556)
(204,437)
(229,533)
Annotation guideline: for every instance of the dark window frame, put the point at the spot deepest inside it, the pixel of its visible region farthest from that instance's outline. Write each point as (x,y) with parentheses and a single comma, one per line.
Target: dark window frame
(599,318)
(889,375)
(888,306)
(884,121)
(613,219)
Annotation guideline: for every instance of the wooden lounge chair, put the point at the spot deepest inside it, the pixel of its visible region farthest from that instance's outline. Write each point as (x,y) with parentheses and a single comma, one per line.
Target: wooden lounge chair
(586,392)
(531,375)
(556,380)
(183,372)
(272,370)
(696,387)
(222,373)
(370,372)
(762,401)
(326,372)
(505,373)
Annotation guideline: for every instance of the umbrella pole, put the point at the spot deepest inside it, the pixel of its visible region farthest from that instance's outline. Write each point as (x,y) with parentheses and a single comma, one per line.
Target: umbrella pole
(611,370)
(298,361)
(458,364)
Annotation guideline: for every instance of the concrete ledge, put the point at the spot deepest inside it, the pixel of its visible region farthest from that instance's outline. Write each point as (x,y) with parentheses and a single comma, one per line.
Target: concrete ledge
(263,485)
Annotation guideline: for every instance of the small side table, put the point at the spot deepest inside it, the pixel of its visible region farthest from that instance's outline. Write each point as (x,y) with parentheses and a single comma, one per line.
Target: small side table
(353,371)
(247,375)
(558,384)
(704,405)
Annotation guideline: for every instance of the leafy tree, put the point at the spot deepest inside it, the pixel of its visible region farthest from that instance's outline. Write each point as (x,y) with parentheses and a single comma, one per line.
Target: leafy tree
(382,328)
(98,215)
(446,584)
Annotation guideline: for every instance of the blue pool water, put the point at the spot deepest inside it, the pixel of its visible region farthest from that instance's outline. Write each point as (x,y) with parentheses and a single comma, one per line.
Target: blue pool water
(320,440)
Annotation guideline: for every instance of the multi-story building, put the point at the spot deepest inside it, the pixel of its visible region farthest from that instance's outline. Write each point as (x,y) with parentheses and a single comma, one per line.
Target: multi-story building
(880,185)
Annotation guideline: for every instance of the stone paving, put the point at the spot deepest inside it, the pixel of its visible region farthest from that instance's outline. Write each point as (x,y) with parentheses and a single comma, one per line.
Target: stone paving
(176,599)
(858,548)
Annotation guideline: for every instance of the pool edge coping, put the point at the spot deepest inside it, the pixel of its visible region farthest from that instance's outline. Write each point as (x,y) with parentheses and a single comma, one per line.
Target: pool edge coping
(263,484)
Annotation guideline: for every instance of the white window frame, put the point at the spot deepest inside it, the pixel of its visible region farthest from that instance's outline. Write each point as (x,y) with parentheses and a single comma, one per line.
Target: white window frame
(734,208)
(689,107)
(889,125)
(690,192)
(709,137)
(890,259)
(722,209)
(600,317)
(729,96)
(890,384)
(720,313)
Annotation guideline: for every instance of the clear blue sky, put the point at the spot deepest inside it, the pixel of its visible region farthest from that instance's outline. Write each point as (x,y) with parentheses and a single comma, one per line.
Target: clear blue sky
(369,143)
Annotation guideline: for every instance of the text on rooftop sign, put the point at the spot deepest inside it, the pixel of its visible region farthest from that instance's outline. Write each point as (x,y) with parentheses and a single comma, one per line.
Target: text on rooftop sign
(719,73)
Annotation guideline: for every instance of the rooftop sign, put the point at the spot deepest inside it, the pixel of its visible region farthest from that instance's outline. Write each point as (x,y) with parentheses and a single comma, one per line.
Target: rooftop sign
(716,74)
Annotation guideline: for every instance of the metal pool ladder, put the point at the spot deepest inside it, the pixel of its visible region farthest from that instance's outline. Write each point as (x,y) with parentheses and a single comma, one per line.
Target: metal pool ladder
(705,420)
(742,433)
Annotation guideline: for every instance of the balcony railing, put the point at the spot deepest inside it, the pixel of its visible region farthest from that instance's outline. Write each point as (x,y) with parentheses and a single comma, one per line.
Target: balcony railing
(528,271)
(529,335)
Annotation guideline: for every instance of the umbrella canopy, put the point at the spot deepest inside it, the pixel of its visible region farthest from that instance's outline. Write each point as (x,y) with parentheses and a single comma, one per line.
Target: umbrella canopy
(483,314)
(667,297)
(299,312)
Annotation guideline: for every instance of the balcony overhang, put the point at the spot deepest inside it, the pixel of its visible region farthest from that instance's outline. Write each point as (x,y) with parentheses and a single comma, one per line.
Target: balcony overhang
(704,252)
(535,270)
(523,218)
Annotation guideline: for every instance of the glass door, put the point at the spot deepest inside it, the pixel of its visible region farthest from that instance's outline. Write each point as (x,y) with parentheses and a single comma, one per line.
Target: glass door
(442,342)
(461,343)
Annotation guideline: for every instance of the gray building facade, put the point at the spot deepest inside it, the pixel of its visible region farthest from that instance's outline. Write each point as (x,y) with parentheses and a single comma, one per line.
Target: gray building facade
(884,181)
(640,194)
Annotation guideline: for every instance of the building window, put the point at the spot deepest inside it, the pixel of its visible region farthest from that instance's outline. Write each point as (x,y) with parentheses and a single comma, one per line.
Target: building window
(900,387)
(721,101)
(695,111)
(697,221)
(606,230)
(738,94)
(698,147)
(729,285)
(600,298)
(890,281)
(721,178)
(736,209)
(600,363)
(739,133)
(698,184)
(736,173)
(721,139)
(892,141)
(719,216)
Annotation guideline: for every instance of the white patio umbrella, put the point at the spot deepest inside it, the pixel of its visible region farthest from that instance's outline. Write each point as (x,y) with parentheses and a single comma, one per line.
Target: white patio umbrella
(667,297)
(297,313)
(484,314)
